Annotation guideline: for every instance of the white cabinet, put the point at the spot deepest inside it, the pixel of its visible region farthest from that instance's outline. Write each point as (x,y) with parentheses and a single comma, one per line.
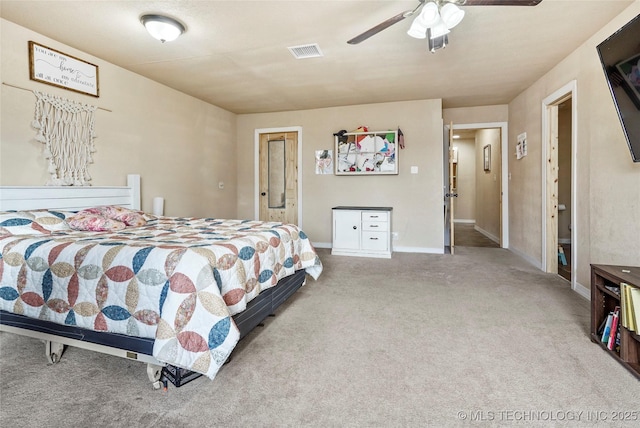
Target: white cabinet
(362,231)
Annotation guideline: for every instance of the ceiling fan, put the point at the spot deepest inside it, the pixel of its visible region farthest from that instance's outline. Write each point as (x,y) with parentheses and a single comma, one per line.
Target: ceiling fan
(438,4)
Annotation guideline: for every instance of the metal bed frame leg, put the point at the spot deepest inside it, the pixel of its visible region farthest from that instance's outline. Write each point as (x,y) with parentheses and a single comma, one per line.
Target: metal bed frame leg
(53,351)
(154,372)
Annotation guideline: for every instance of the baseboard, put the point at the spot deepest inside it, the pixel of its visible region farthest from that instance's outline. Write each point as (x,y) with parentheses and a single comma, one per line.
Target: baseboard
(322,244)
(463,220)
(564,240)
(418,250)
(582,291)
(488,235)
(395,249)
(527,258)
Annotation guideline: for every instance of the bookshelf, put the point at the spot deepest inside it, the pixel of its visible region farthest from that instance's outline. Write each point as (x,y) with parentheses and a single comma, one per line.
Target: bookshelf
(605,296)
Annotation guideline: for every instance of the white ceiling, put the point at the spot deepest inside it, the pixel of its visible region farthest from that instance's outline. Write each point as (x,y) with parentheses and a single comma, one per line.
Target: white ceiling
(234,53)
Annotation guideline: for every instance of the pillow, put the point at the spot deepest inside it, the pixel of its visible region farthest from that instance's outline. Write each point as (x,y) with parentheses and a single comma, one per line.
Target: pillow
(125,215)
(114,212)
(88,221)
(35,222)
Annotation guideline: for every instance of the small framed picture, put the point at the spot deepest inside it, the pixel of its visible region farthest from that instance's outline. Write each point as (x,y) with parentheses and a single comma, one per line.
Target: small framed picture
(487,157)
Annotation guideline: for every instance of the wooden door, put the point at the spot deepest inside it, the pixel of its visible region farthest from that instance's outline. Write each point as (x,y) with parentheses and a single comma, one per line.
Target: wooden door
(278,187)
(452,191)
(551,191)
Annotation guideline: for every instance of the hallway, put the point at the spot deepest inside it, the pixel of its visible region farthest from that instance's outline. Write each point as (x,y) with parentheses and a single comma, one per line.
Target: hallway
(467,236)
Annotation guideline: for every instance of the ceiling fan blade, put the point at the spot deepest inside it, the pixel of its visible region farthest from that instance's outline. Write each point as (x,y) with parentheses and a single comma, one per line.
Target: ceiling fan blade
(383,25)
(501,2)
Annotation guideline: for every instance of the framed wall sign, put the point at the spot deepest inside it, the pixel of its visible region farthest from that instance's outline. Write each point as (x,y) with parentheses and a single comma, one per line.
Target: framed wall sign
(55,68)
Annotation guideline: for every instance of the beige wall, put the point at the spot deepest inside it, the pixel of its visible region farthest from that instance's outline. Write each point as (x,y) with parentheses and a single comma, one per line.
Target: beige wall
(181,146)
(608,182)
(488,183)
(417,199)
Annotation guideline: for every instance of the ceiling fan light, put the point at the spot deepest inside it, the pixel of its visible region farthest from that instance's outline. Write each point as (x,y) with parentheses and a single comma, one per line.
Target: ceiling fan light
(162,28)
(417,30)
(451,15)
(429,15)
(436,43)
(438,30)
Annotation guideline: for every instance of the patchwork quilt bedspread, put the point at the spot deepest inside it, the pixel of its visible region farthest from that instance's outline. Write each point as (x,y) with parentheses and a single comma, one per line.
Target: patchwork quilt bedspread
(178,280)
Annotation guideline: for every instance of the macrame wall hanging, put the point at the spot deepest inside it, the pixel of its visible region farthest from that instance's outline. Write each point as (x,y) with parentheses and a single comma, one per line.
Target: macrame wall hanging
(66,128)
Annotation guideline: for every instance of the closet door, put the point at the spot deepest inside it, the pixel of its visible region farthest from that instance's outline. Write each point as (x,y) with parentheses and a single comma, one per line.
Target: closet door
(278,154)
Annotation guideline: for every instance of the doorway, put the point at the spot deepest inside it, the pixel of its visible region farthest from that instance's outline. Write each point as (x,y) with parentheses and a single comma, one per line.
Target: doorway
(278,176)
(564,189)
(480,181)
(559,238)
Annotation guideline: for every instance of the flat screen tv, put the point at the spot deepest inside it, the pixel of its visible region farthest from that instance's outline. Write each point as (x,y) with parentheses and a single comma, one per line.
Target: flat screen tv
(620,57)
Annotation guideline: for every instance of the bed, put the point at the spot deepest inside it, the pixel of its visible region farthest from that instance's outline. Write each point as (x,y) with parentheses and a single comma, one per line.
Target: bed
(177,292)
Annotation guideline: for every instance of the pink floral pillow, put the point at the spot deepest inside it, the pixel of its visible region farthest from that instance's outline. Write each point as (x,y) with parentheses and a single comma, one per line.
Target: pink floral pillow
(121,214)
(125,215)
(88,221)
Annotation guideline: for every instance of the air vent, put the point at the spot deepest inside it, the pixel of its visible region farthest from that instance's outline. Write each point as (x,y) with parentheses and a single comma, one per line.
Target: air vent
(305,51)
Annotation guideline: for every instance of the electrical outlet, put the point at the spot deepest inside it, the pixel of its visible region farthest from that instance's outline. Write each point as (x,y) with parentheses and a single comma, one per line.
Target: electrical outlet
(394,236)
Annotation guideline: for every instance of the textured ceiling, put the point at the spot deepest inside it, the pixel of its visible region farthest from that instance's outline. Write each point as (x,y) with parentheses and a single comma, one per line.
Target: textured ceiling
(234,53)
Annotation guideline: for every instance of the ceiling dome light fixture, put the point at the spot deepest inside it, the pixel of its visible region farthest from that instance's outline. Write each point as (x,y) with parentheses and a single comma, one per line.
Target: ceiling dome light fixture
(162,28)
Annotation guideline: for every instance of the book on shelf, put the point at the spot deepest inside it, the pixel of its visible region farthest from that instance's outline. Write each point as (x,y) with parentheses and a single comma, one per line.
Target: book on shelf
(611,343)
(635,304)
(628,306)
(623,306)
(601,327)
(607,328)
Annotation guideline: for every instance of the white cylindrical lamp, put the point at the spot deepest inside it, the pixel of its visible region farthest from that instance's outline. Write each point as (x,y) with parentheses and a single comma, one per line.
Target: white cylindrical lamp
(158,206)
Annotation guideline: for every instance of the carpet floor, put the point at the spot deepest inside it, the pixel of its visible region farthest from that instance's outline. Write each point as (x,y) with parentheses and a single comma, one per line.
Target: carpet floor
(481,337)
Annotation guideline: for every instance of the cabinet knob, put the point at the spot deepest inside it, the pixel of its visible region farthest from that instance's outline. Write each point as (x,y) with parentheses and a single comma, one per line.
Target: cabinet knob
(355,227)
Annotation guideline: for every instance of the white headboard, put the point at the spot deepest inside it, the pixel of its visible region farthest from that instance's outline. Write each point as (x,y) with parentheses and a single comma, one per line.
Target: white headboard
(69,197)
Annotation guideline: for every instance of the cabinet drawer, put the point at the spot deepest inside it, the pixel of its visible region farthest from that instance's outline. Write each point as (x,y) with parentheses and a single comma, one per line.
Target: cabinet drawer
(375,216)
(375,226)
(374,241)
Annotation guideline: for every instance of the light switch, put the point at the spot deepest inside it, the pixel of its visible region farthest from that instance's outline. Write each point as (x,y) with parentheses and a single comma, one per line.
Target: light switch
(221,185)
(414,170)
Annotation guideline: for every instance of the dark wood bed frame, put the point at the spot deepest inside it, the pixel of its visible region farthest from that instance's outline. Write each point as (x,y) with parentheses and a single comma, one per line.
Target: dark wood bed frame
(56,336)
